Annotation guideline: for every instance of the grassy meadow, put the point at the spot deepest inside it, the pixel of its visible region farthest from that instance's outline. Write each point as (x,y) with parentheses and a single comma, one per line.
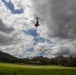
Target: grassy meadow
(13,69)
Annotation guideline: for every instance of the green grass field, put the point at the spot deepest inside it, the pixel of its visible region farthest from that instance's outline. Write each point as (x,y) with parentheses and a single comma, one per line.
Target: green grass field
(13,69)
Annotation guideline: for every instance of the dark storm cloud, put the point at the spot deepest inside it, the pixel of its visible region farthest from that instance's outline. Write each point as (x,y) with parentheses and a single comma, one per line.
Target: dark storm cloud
(63,18)
(6,36)
(62,50)
(4,28)
(60,18)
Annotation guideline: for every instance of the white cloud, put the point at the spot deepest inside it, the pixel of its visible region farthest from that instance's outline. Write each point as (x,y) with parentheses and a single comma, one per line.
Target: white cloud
(19,23)
(42,46)
(57,23)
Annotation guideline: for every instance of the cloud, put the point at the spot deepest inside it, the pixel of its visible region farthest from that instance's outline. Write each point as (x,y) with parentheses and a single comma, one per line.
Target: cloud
(6,34)
(10,6)
(59,16)
(63,14)
(4,28)
(41,46)
(55,35)
(13,39)
(60,50)
(59,24)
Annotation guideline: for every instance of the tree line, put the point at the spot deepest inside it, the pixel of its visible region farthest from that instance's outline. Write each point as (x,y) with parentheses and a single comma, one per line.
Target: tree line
(40,60)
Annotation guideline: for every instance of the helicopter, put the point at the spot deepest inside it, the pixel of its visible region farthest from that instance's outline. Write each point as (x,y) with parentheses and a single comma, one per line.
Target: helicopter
(37,22)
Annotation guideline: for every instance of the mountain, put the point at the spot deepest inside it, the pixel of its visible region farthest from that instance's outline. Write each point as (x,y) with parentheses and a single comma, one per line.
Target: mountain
(5,57)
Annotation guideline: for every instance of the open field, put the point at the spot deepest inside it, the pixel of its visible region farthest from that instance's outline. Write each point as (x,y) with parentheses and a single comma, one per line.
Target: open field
(13,69)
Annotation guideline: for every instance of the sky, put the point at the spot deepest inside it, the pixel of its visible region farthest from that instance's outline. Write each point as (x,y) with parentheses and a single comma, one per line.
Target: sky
(55,36)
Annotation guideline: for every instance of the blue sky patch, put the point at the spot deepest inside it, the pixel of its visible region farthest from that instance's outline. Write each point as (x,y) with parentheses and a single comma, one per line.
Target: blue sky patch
(32,32)
(10,6)
(41,39)
(37,37)
(30,49)
(42,53)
